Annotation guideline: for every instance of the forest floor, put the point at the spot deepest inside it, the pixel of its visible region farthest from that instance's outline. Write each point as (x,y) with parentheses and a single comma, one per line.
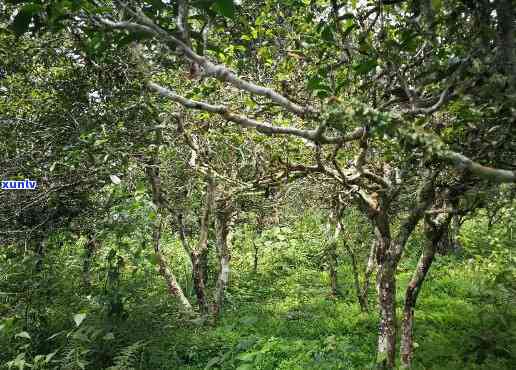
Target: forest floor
(281,317)
(287,320)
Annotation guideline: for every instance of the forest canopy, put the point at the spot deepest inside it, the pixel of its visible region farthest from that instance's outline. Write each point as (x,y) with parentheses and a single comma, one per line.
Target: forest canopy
(198,184)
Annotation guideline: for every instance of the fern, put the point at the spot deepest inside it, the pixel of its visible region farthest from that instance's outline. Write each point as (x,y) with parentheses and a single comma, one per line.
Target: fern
(128,357)
(74,357)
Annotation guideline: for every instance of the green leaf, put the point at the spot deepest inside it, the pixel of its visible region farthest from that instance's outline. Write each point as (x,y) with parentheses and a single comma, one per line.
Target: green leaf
(79,318)
(140,188)
(115,179)
(55,335)
(153,259)
(436,4)
(225,8)
(49,357)
(246,357)
(109,336)
(21,22)
(365,66)
(314,83)
(245,367)
(23,334)
(327,33)
(157,4)
(212,362)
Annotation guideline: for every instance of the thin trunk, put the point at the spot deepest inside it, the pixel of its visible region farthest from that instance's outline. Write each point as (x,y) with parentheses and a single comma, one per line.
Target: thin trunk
(173,286)
(410,301)
(362,292)
(434,232)
(40,252)
(332,269)
(506,42)
(170,279)
(256,249)
(356,279)
(198,254)
(371,265)
(223,239)
(205,265)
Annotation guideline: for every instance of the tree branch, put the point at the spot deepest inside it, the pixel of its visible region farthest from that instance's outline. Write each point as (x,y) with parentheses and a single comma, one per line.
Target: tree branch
(246,122)
(218,71)
(488,173)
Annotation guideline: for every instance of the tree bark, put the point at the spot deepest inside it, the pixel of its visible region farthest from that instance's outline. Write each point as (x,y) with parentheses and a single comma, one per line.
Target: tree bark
(386,288)
(332,269)
(222,221)
(435,230)
(170,279)
(198,276)
(371,265)
(506,43)
(198,253)
(388,254)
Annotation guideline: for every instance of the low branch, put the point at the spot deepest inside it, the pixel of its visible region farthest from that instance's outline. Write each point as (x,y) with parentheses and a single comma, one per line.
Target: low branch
(488,173)
(246,122)
(218,71)
(205,217)
(443,98)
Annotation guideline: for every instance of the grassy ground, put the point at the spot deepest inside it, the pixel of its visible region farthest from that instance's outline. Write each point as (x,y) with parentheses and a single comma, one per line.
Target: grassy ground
(280,318)
(288,321)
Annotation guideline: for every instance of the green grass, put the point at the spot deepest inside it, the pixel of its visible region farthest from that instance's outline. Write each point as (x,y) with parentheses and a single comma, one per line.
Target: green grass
(280,318)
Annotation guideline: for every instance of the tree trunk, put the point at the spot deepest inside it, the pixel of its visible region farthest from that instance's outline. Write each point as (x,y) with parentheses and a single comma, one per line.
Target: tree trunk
(198,254)
(170,279)
(371,265)
(332,269)
(506,43)
(222,220)
(198,280)
(40,254)
(356,277)
(386,288)
(434,231)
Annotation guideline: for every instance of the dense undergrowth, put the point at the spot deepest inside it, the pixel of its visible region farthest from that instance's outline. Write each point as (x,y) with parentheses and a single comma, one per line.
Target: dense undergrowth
(280,317)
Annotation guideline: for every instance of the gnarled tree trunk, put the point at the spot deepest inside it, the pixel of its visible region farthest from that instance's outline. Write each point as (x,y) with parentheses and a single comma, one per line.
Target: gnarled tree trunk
(435,230)
(388,254)
(386,289)
(198,253)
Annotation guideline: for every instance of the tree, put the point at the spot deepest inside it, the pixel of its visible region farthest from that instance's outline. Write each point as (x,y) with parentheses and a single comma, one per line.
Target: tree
(397,85)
